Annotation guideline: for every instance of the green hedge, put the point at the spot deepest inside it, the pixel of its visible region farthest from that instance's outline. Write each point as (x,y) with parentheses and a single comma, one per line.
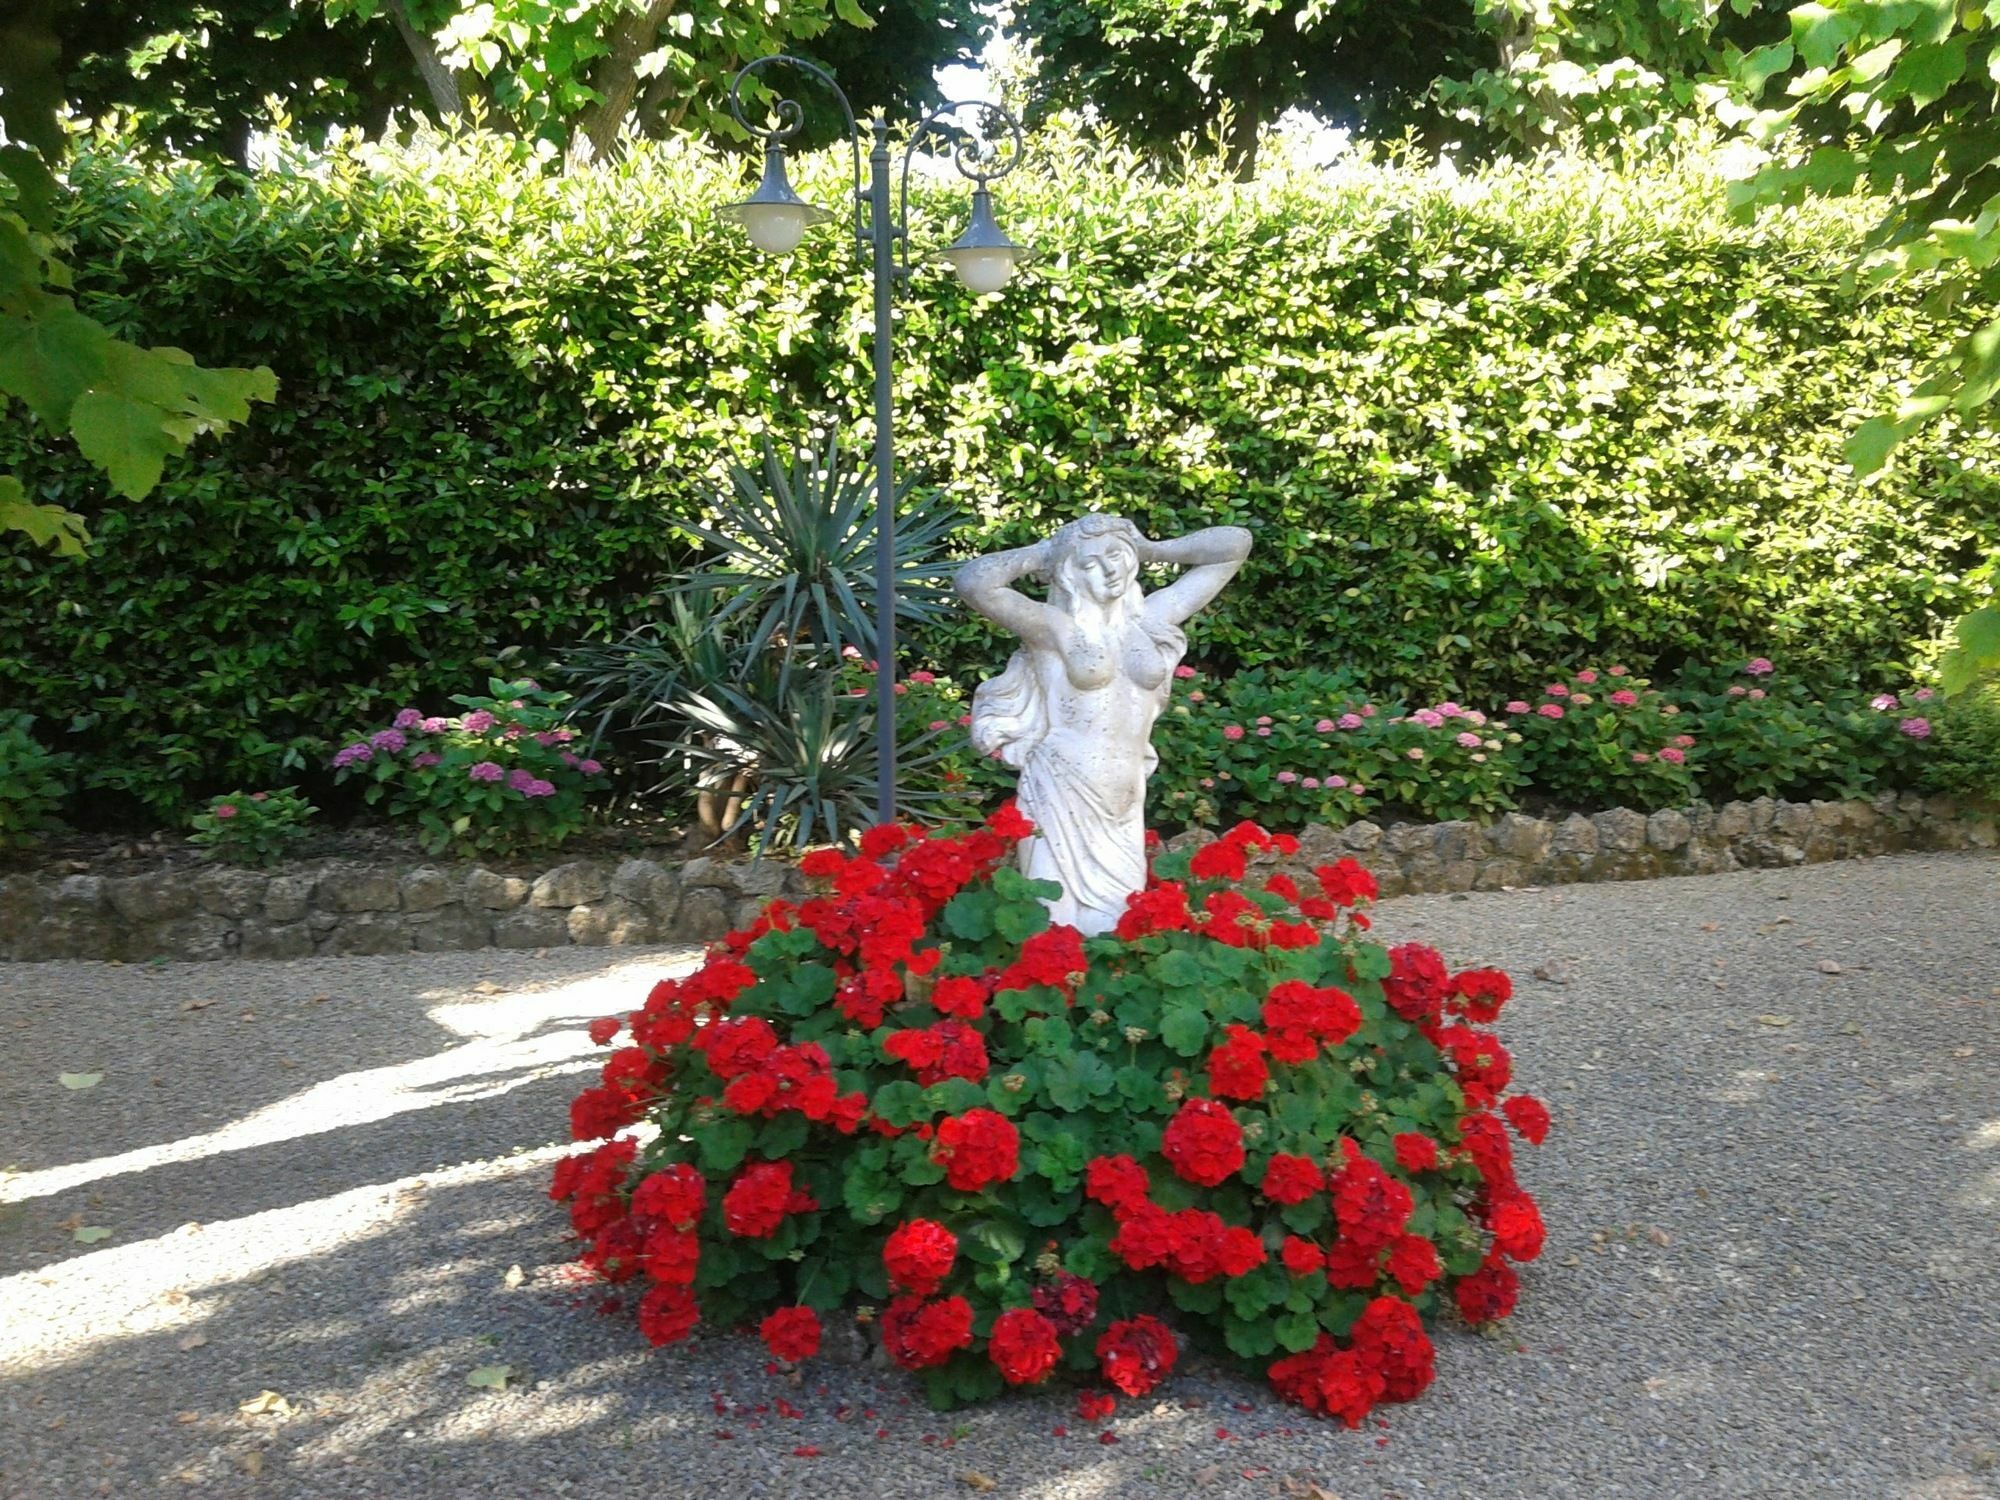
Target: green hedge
(1481,427)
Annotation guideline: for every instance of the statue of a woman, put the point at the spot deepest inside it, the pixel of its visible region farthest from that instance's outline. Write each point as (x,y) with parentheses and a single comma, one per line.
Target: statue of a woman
(1074,710)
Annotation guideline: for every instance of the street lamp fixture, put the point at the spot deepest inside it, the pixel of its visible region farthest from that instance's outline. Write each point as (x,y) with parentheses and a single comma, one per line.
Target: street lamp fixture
(776,219)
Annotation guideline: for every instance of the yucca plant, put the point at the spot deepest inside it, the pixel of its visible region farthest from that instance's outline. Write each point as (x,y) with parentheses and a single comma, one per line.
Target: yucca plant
(794,544)
(791,754)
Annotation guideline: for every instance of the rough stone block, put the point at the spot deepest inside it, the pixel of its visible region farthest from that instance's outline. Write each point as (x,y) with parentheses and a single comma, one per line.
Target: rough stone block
(762,877)
(357,888)
(1523,838)
(426,888)
(532,927)
(450,929)
(1793,819)
(1408,838)
(230,893)
(492,892)
(1497,873)
(1669,829)
(703,916)
(609,922)
(705,870)
(1763,813)
(191,938)
(1732,820)
(1620,831)
(1361,836)
(287,897)
(370,932)
(572,884)
(1318,845)
(147,898)
(24,904)
(1457,841)
(275,940)
(1576,835)
(1422,874)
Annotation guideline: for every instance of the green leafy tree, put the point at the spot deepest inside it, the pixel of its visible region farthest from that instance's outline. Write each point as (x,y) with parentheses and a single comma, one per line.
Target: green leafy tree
(128,408)
(1490,73)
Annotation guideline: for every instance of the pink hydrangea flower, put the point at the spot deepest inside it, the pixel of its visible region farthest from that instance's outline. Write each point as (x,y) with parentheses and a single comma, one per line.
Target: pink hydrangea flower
(1616,671)
(925,679)
(1286,778)
(1324,726)
(589,767)
(1586,676)
(436,724)
(1641,758)
(1197,696)
(1916,729)
(1232,732)
(1737,690)
(1883,702)
(1358,789)
(1673,755)
(225,809)
(389,741)
(1184,671)
(1756,693)
(1430,718)
(1625,698)
(1581,700)
(1480,757)
(484,770)
(1550,711)
(965,721)
(1685,741)
(1414,753)
(477,722)
(936,724)
(1263,718)
(1759,666)
(1516,706)
(1208,781)
(1335,783)
(258,796)
(1310,783)
(1472,716)
(851,653)
(1349,721)
(1469,740)
(425,758)
(1264,733)
(1367,710)
(353,755)
(409,718)
(1556,690)
(1923,695)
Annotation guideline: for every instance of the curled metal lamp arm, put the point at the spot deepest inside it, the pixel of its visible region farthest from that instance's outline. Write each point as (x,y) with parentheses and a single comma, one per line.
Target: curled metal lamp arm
(791,116)
(970,170)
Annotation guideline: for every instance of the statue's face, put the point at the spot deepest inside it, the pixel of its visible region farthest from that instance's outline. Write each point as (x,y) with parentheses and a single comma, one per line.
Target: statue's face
(1104,567)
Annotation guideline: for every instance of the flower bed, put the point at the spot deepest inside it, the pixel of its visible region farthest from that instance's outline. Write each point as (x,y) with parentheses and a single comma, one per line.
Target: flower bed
(1015,1151)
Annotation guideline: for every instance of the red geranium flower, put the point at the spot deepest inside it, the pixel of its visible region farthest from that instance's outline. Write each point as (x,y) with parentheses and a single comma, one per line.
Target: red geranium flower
(1516,1224)
(668,1314)
(604,1028)
(1158,908)
(1346,882)
(761,1198)
(1095,1406)
(1416,1153)
(1391,1336)
(1137,1353)
(1413,1261)
(959,995)
(1069,1302)
(1488,1294)
(671,1255)
(1529,1116)
(919,1334)
(1203,1143)
(791,1333)
(1023,1346)
(1292,1179)
(1371,1206)
(1236,1068)
(1480,993)
(919,1255)
(1301,1257)
(978,1147)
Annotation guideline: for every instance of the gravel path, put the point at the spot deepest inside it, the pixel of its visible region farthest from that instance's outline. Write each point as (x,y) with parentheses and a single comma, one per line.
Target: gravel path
(1773,1265)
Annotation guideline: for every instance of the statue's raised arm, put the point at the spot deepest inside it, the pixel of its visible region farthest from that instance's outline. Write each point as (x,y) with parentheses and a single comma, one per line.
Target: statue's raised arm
(1074,711)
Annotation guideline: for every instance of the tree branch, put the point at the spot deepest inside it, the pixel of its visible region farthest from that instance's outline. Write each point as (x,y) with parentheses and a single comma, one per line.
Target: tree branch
(439,80)
(615,80)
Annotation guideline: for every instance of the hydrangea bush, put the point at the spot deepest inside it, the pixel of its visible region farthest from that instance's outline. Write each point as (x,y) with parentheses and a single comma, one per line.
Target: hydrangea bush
(252,828)
(1235,1123)
(34,780)
(502,775)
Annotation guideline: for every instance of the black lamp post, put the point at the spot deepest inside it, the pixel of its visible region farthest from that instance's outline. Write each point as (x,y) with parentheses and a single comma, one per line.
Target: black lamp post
(776,219)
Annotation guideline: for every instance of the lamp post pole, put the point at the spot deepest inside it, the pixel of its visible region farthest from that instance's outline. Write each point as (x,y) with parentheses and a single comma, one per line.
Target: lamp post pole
(882,238)
(984,258)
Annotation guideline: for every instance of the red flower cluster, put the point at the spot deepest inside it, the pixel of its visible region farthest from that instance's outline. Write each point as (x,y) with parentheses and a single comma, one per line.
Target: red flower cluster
(1203,1143)
(950,1049)
(920,1334)
(1236,1068)
(668,1314)
(633,1078)
(791,1333)
(1388,1358)
(1346,882)
(1415,988)
(1053,957)
(1158,908)
(1529,1116)
(1483,1066)
(798,1077)
(1068,1302)
(761,1198)
(1300,1019)
(1118,1182)
(919,1255)
(676,1194)
(976,1148)
(1023,1346)
(1489,1293)
(592,1181)
(1137,1353)
(1292,1179)
(1478,994)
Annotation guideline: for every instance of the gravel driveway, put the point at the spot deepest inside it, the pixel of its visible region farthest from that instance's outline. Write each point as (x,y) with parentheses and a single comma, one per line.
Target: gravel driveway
(1773,1265)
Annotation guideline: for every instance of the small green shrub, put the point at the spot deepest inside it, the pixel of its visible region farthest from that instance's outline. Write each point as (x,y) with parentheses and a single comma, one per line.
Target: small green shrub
(1763,734)
(1607,739)
(1965,742)
(500,776)
(253,828)
(34,780)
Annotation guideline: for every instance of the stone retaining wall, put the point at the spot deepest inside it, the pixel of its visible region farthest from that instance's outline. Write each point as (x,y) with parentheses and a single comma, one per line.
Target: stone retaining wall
(348,906)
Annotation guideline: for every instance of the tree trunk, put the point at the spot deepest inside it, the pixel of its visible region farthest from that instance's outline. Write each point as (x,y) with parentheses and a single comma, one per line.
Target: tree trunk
(438,79)
(1239,145)
(615,80)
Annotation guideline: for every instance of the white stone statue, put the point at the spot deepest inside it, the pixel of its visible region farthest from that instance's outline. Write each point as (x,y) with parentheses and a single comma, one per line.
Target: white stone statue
(1074,710)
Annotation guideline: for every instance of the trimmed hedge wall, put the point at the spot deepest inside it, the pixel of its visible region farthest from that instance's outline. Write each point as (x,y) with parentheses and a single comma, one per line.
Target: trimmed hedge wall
(1481,427)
